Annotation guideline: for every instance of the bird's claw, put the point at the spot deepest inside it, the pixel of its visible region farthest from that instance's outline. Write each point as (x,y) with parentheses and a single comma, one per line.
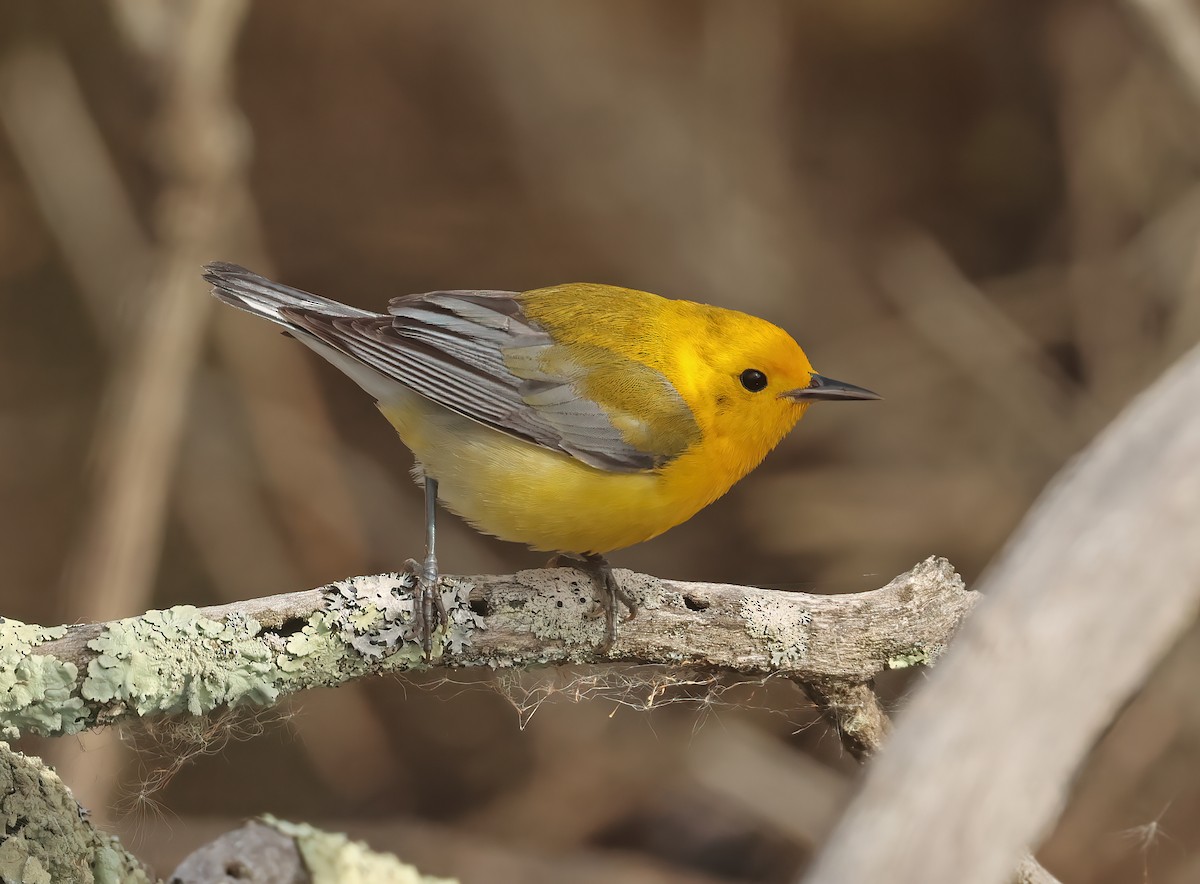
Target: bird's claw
(429,611)
(610,593)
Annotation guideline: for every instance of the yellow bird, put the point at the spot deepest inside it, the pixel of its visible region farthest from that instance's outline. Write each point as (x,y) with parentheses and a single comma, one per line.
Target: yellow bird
(577,418)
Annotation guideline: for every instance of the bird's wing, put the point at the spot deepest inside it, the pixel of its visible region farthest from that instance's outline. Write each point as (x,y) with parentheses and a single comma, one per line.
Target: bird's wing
(478,354)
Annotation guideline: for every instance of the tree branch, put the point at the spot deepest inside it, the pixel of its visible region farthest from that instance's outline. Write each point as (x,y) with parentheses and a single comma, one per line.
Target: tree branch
(855,713)
(48,837)
(1101,578)
(61,680)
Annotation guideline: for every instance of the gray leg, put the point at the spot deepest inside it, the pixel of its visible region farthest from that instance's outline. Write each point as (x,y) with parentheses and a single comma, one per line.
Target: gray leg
(428,611)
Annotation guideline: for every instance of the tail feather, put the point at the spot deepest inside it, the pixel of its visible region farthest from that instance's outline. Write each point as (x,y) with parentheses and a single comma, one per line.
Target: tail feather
(304,315)
(263,297)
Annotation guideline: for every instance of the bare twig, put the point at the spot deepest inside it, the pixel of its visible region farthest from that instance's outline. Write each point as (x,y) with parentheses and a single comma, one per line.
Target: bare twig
(855,712)
(980,762)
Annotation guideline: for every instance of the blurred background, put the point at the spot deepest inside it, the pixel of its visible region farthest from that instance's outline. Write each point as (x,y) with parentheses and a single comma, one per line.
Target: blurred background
(986,210)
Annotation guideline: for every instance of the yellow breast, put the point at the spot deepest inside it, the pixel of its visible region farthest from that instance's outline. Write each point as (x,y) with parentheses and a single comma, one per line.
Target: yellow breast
(521,492)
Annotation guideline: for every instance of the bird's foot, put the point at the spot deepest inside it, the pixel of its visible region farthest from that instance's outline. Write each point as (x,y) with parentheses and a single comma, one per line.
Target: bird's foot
(429,612)
(609,592)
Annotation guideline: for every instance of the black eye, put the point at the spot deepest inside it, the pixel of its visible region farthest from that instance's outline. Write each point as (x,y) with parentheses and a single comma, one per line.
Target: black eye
(753,380)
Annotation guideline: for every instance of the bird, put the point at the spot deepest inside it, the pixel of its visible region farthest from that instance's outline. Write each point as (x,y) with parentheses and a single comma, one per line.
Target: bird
(577,419)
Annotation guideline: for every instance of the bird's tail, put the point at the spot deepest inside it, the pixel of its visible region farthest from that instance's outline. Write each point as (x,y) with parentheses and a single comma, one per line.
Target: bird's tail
(326,326)
(256,294)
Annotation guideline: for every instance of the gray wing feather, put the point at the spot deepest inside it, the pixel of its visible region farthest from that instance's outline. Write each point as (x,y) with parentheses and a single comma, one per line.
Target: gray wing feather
(263,297)
(458,349)
(479,335)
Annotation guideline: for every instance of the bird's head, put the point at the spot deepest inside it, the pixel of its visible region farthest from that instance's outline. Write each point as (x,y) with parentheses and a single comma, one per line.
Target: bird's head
(758,382)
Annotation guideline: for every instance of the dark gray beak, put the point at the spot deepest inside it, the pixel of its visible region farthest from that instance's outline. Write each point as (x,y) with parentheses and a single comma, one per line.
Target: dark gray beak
(823,389)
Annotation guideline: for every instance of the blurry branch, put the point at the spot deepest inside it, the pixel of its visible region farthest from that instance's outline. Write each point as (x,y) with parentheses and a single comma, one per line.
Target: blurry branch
(732,156)
(760,773)
(199,147)
(200,151)
(1106,104)
(296,444)
(959,322)
(1102,577)
(1174,28)
(73,180)
(855,711)
(619,781)
(253,652)
(1163,250)
(111,258)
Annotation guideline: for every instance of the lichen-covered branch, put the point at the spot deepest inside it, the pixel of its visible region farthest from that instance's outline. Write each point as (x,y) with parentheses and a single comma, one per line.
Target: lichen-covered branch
(269,849)
(60,680)
(47,836)
(48,839)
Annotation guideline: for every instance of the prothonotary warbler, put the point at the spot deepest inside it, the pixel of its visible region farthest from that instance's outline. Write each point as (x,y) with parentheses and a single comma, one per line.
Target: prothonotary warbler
(577,418)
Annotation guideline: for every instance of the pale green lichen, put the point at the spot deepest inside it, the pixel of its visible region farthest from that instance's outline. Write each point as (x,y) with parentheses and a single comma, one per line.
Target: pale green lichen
(36,689)
(183,661)
(179,660)
(313,647)
(332,858)
(915,656)
(374,615)
(547,600)
(46,838)
(784,626)
(18,866)
(456,596)
(319,654)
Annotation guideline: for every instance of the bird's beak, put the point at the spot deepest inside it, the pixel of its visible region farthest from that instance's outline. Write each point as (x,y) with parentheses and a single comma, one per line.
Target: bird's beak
(823,389)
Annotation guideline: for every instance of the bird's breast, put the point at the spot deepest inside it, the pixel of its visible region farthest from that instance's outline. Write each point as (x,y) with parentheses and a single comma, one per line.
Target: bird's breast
(522,492)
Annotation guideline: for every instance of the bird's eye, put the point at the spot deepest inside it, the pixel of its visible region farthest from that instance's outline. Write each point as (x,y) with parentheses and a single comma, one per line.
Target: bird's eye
(753,380)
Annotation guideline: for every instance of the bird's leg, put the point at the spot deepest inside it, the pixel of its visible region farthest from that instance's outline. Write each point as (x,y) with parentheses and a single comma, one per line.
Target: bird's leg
(610,592)
(428,610)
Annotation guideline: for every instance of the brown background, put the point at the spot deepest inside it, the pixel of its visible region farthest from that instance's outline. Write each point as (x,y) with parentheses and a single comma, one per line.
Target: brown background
(985,209)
